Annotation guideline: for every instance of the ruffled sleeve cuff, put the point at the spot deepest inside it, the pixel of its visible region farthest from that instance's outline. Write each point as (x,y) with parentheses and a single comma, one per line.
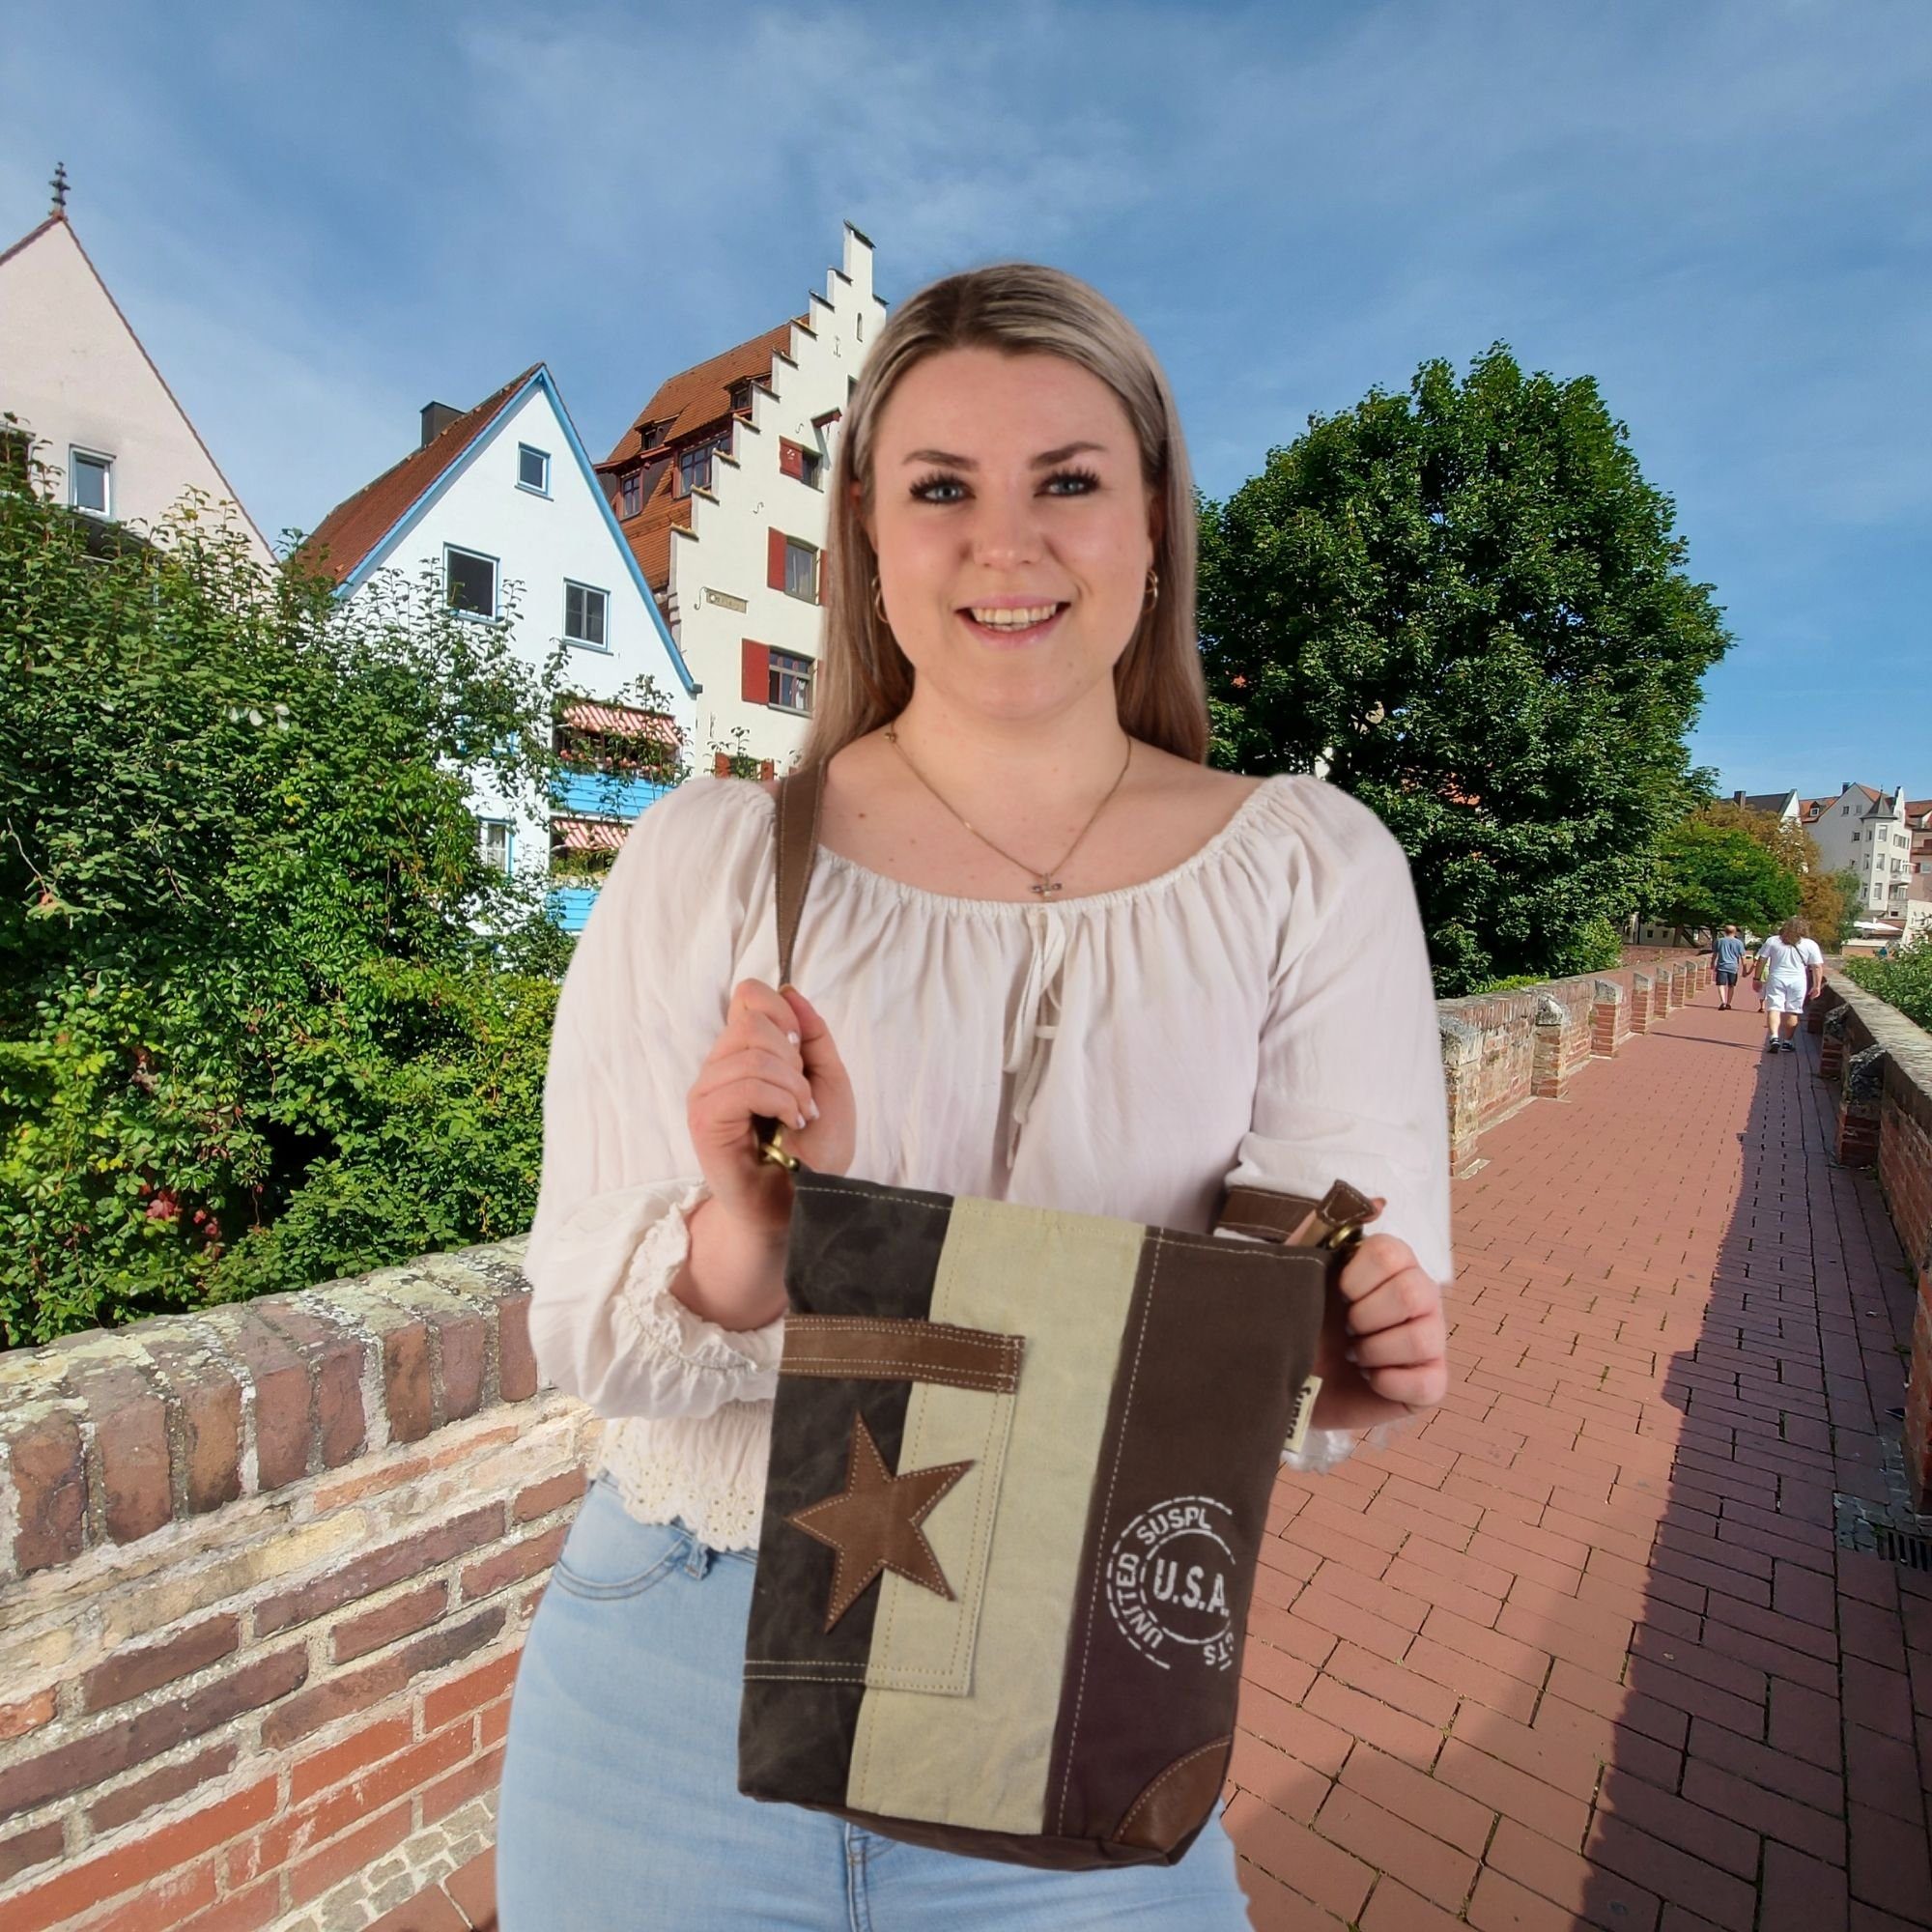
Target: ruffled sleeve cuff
(715,1365)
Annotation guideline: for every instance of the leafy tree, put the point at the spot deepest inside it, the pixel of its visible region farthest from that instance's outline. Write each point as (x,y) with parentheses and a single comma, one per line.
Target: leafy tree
(1821,896)
(267,1015)
(1710,876)
(1851,892)
(1469,607)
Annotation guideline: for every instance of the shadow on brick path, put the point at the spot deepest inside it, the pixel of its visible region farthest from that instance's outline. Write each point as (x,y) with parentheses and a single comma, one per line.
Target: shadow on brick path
(1583,1650)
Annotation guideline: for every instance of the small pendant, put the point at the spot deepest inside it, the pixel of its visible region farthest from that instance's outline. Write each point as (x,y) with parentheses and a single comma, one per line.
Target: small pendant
(1044,887)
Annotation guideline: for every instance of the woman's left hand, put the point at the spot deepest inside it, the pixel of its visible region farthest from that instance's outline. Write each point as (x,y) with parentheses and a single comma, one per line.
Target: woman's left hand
(1384,1345)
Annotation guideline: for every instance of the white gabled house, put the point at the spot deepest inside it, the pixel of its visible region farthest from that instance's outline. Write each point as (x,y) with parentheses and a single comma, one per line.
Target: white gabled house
(91,405)
(501,502)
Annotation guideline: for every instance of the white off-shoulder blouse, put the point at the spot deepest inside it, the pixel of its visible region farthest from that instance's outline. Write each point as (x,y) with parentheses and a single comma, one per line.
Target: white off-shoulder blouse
(1260,1014)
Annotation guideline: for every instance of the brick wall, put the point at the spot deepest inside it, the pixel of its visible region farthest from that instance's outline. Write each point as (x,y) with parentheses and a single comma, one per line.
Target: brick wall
(264,1576)
(1502,1050)
(1882,1066)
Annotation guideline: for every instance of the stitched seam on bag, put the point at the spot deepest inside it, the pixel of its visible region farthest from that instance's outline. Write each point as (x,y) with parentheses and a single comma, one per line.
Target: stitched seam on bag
(1101,1543)
(836,1368)
(1180,1764)
(903,1200)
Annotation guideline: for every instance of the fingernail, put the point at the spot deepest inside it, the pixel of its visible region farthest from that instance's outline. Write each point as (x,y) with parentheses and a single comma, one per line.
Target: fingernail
(793,1037)
(801,1124)
(812,1108)
(1352,1354)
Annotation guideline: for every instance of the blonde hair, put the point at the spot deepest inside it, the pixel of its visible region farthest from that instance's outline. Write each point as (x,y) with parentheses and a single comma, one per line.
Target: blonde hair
(1793,931)
(1019,308)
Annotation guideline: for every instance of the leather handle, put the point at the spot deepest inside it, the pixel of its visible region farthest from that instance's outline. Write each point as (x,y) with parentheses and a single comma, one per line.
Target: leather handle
(795,842)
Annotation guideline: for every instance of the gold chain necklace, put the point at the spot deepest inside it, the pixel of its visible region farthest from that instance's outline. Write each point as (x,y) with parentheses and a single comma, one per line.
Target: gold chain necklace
(1043,883)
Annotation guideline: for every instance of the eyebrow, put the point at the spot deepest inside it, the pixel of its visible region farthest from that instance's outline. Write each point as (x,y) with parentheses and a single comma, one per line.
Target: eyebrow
(1045,460)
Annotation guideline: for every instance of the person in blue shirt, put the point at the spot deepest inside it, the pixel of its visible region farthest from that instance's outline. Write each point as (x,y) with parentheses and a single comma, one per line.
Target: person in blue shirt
(1727,959)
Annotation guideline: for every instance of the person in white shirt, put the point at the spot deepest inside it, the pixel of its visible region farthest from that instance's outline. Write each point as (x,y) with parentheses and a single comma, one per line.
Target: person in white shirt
(1790,969)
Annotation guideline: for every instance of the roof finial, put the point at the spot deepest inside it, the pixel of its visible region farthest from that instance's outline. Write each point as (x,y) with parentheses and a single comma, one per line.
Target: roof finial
(59,187)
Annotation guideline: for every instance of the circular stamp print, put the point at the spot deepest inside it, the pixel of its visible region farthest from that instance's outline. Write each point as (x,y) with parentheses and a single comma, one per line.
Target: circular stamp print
(1170,1576)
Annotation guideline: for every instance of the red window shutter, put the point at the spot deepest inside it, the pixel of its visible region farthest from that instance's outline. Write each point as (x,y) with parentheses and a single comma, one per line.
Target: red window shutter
(791,458)
(767,769)
(721,765)
(757,687)
(774,560)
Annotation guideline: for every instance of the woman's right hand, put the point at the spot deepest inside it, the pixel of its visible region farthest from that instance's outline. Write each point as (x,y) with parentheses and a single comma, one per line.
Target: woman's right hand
(775,1060)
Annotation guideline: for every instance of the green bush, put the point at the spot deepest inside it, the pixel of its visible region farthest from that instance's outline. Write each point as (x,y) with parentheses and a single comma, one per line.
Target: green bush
(266,1013)
(1903,980)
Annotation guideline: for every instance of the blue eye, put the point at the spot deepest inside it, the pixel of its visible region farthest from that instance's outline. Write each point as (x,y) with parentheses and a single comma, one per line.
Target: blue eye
(1086,480)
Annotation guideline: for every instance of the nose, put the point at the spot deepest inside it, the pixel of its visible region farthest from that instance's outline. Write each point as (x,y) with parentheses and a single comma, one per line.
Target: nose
(1005,531)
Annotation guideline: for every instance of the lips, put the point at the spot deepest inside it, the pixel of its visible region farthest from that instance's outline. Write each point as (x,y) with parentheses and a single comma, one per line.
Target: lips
(1006,623)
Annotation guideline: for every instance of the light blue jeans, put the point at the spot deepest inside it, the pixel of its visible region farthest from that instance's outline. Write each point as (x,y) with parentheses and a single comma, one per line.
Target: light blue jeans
(620,1808)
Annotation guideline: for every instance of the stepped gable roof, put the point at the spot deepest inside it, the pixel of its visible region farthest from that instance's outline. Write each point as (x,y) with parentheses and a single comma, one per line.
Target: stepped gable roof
(697,397)
(340,542)
(693,401)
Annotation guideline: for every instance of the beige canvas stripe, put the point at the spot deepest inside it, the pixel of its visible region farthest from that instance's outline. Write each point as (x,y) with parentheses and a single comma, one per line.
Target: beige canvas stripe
(1066,1281)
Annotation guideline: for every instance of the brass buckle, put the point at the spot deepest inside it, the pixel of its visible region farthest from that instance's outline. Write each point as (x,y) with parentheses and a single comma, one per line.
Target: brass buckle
(772,1149)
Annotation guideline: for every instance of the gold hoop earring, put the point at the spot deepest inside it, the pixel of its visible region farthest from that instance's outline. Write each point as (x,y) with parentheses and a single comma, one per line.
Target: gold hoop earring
(1152,596)
(879,600)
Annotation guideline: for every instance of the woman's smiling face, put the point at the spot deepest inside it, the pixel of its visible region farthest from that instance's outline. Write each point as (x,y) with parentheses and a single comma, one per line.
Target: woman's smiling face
(1013,527)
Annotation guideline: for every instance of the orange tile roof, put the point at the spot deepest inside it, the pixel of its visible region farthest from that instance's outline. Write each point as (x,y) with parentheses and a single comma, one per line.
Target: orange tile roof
(691,402)
(351,530)
(698,396)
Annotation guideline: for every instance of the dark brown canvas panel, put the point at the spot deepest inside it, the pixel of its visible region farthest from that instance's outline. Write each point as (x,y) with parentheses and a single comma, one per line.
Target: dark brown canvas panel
(1200,1409)
(855,1250)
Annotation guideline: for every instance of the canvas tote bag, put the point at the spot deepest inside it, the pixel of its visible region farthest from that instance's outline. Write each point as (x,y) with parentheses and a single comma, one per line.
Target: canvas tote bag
(1019,1476)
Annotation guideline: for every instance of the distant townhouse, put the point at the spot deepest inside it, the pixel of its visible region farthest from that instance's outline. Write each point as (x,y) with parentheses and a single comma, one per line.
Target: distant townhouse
(1863,831)
(90,405)
(1919,882)
(1784,805)
(718,487)
(500,503)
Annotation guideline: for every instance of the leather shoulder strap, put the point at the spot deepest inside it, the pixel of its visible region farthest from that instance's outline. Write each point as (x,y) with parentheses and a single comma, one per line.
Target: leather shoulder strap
(796,834)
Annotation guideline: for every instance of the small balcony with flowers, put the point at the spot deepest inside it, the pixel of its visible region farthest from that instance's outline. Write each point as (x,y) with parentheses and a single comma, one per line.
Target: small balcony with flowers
(615,761)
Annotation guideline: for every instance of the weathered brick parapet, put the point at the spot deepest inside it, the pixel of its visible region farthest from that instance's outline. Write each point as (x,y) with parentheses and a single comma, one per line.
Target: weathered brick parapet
(267,1571)
(1883,1066)
(1502,1050)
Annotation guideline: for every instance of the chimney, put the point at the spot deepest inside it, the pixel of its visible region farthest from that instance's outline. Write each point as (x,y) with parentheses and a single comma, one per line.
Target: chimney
(1846,787)
(437,417)
(1737,798)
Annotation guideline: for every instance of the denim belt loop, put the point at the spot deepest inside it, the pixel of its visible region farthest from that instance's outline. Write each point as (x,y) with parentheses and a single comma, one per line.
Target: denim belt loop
(698,1556)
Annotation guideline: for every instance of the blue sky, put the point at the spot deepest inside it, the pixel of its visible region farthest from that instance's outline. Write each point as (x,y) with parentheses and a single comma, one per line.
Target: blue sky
(318,219)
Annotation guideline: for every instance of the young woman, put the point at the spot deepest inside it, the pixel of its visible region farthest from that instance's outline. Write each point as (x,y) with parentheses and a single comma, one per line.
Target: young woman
(1048,958)
(1790,969)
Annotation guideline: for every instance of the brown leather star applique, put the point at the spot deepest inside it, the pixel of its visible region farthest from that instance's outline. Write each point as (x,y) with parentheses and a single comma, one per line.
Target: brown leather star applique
(874,1523)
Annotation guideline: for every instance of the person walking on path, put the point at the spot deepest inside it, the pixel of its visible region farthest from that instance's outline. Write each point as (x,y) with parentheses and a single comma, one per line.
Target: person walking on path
(1727,959)
(1053,959)
(1790,969)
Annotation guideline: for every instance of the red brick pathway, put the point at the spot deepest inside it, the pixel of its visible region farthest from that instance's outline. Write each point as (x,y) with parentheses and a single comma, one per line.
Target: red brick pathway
(1582,1650)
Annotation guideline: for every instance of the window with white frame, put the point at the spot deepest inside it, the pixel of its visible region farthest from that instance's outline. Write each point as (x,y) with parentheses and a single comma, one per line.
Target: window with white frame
(790,687)
(801,570)
(533,469)
(496,843)
(586,614)
(90,482)
(469,581)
